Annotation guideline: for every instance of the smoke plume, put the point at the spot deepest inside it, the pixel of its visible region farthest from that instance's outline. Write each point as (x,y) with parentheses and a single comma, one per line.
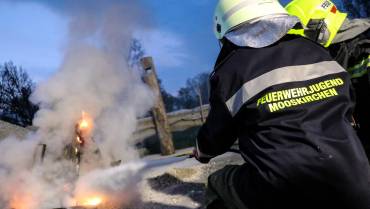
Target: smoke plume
(94,78)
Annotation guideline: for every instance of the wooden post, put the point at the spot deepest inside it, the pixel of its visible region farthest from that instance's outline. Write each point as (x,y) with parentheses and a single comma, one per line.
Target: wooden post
(199,93)
(158,111)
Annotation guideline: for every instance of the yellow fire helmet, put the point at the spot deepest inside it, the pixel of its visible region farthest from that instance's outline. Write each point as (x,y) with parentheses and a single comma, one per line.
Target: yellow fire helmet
(230,14)
(320,18)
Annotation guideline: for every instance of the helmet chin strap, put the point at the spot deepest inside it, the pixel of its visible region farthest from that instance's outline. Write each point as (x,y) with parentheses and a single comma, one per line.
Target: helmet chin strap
(220,44)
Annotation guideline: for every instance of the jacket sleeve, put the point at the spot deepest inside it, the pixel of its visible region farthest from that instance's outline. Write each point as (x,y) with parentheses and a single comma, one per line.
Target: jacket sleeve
(219,132)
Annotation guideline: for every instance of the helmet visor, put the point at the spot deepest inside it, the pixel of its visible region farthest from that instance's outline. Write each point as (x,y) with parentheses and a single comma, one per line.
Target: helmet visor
(263,31)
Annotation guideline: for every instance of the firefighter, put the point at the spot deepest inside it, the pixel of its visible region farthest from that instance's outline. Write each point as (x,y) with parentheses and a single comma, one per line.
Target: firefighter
(348,42)
(289,104)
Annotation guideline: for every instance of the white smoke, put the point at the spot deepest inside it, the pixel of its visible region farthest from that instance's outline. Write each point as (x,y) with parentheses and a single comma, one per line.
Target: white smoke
(94,78)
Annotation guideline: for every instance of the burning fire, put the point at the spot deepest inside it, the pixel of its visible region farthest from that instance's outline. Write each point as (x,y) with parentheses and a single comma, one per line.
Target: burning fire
(85,123)
(94,201)
(84,127)
(20,201)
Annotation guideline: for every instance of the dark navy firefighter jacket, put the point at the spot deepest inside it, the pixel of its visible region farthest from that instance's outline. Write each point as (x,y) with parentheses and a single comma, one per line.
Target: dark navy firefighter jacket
(290,106)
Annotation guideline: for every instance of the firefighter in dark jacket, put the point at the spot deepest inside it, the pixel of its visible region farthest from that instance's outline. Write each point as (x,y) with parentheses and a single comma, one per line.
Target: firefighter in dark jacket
(351,48)
(289,104)
(348,41)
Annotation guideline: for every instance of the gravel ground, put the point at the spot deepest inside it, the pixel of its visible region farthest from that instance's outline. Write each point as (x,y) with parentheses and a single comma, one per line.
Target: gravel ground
(180,186)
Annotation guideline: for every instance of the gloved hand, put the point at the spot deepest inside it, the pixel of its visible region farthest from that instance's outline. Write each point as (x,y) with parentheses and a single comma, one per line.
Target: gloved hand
(201,157)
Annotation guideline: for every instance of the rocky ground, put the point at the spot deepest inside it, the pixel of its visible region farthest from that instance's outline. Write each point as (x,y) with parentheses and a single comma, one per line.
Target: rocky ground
(181,185)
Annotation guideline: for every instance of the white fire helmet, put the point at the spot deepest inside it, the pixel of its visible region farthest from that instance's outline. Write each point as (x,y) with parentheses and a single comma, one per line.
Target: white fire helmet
(253,23)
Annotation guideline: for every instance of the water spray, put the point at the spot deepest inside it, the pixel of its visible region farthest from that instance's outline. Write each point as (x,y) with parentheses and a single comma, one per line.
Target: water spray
(133,171)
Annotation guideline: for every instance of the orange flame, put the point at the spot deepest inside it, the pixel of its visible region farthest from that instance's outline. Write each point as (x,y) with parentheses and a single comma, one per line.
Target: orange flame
(90,201)
(84,121)
(93,201)
(21,202)
(84,125)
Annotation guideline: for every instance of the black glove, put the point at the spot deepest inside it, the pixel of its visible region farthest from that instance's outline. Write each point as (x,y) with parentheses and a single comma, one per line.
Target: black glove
(201,157)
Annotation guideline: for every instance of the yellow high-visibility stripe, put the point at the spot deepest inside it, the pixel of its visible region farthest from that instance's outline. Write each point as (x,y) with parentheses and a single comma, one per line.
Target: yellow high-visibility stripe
(360,69)
(280,76)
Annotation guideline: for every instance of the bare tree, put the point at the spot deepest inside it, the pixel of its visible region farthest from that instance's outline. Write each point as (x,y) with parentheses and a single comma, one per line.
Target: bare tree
(195,93)
(136,52)
(170,101)
(15,90)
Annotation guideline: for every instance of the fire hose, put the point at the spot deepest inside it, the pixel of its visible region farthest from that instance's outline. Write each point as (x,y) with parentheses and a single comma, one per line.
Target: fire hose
(177,158)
